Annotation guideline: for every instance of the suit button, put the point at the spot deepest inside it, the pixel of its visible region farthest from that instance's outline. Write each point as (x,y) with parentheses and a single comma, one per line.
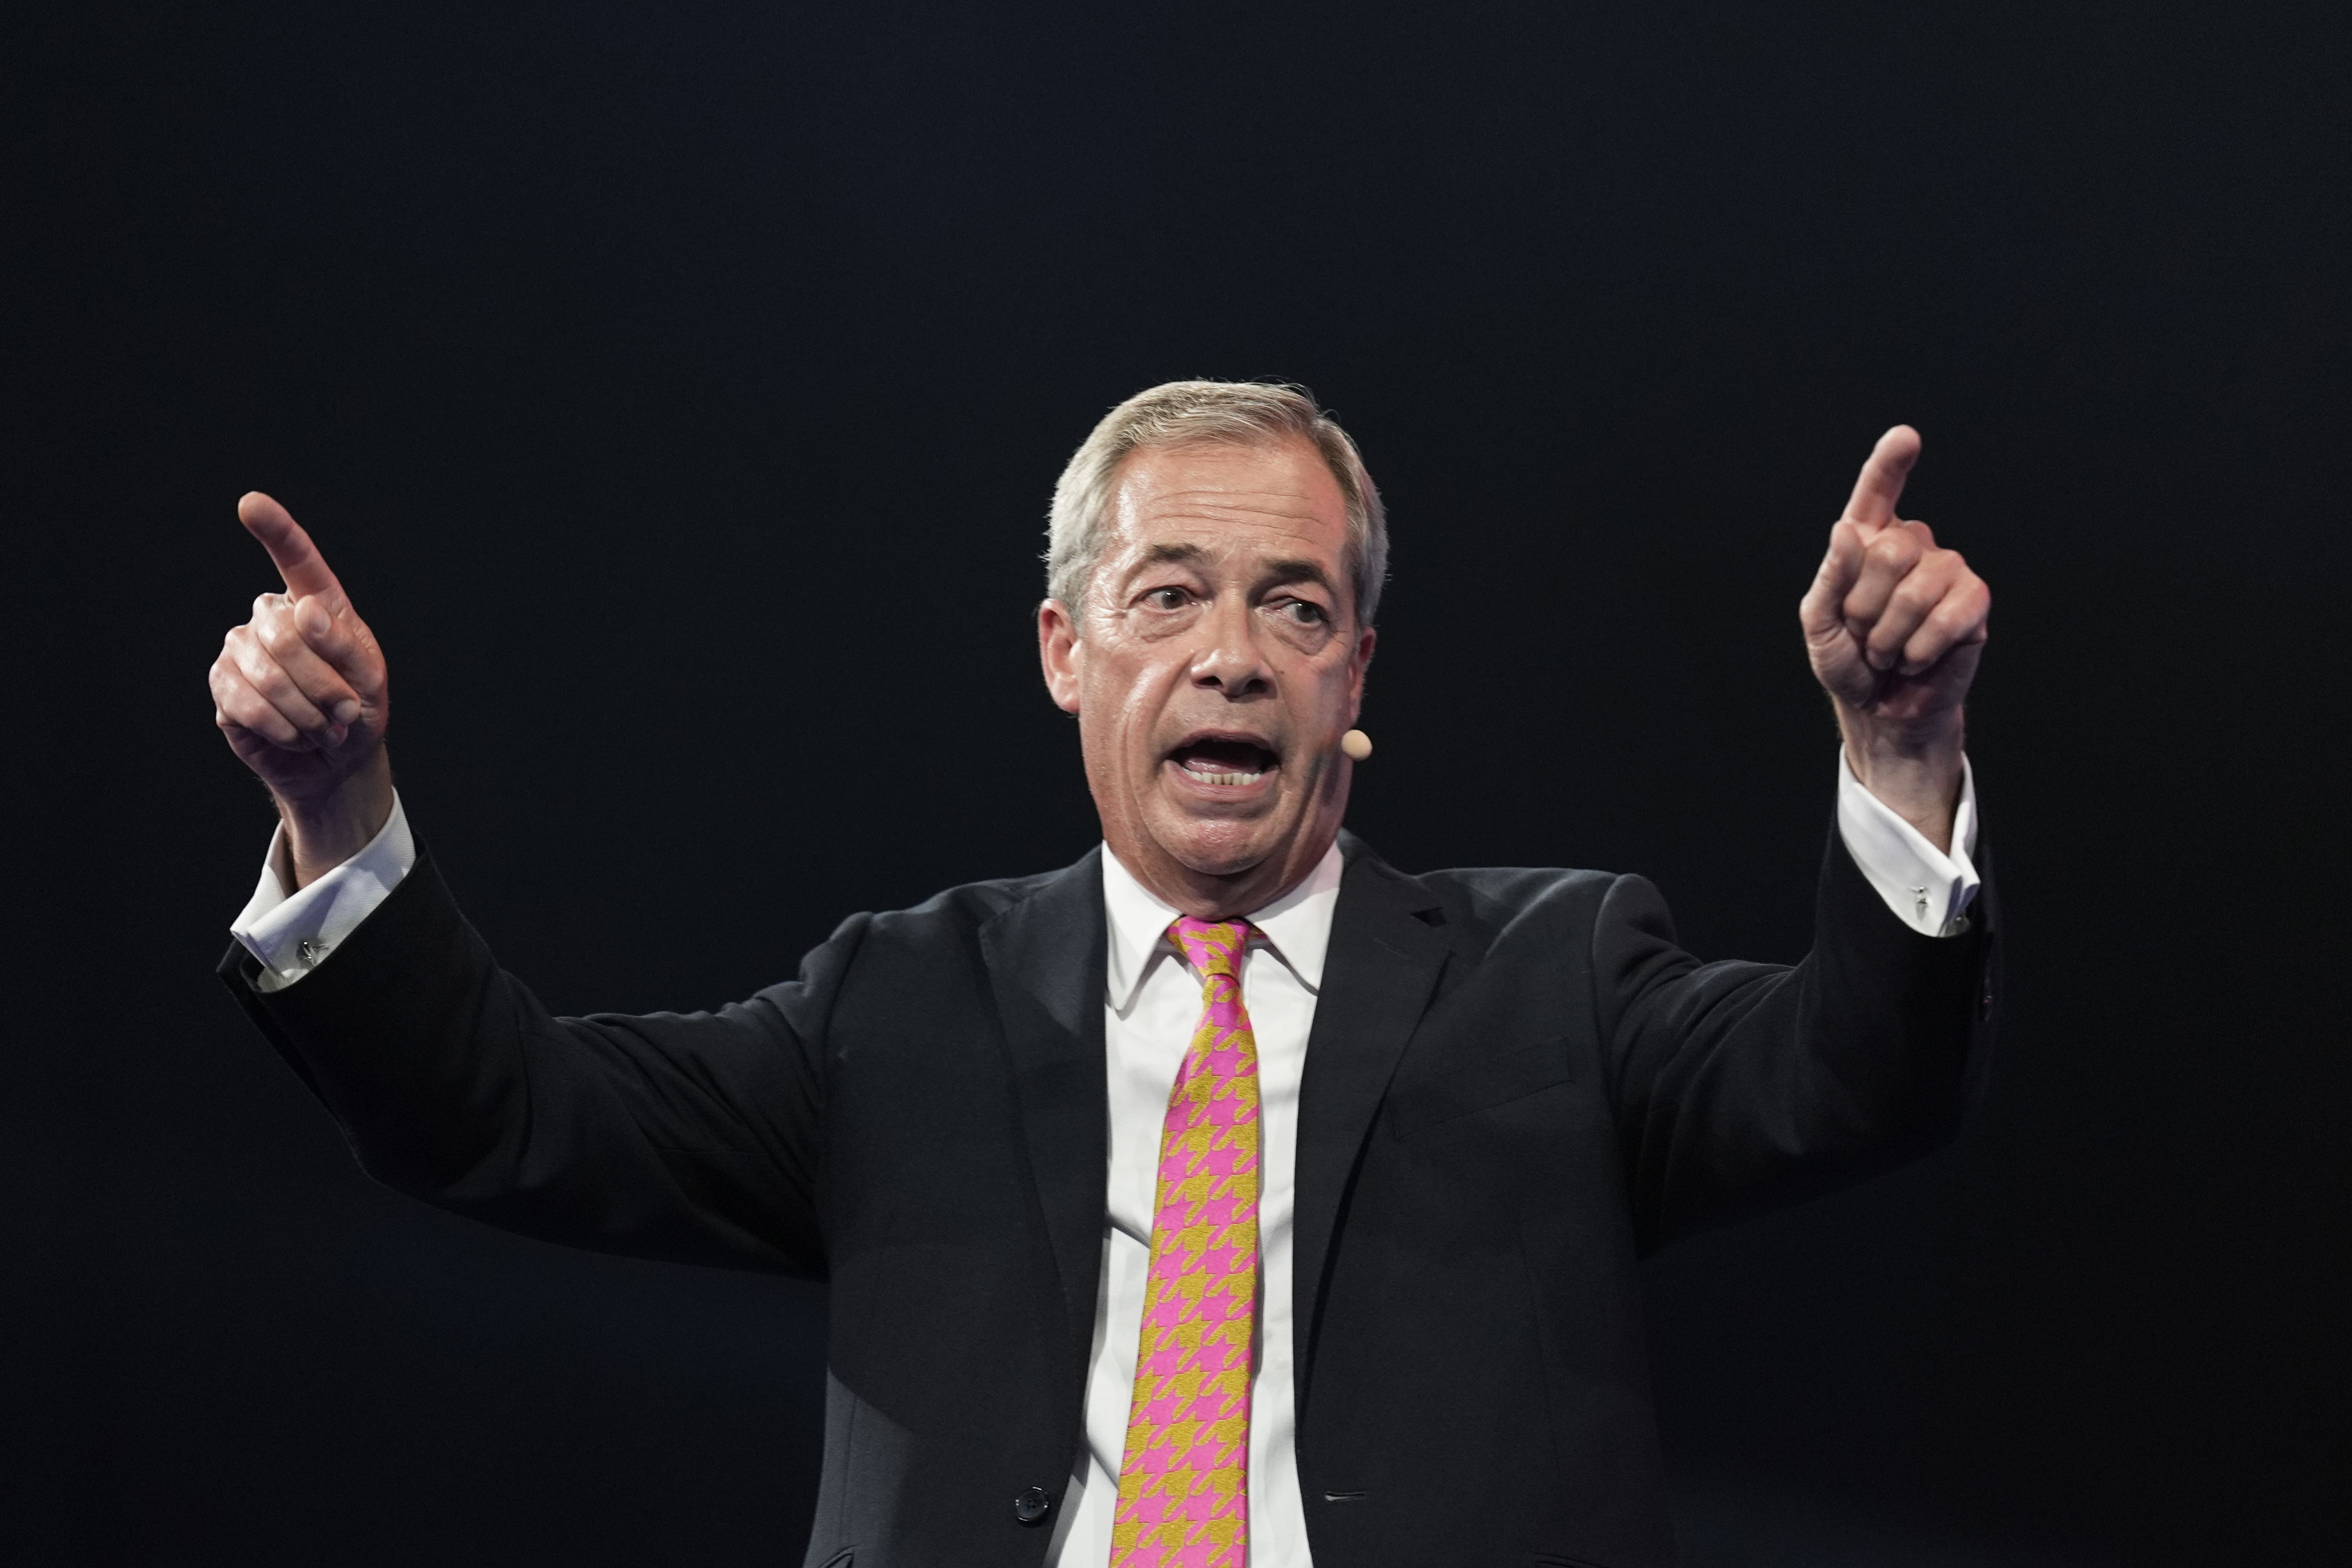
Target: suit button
(1032,1506)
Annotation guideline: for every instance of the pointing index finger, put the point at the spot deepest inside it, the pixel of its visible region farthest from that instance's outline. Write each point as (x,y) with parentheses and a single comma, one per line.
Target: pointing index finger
(299,561)
(1881,484)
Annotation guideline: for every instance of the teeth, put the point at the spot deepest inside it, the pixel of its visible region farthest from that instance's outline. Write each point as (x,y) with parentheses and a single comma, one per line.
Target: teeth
(1227,778)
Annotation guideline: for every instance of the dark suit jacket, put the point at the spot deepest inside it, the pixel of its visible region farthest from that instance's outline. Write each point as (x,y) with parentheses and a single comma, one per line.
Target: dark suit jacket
(1516,1083)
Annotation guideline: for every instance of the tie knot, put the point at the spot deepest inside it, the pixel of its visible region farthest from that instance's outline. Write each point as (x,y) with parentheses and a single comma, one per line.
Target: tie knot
(1214,947)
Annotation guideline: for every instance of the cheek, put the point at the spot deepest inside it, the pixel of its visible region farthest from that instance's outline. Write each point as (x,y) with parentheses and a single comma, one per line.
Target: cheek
(1334,684)
(1123,696)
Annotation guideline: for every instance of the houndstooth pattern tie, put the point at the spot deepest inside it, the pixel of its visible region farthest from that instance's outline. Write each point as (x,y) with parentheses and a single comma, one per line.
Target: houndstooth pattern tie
(1183,1485)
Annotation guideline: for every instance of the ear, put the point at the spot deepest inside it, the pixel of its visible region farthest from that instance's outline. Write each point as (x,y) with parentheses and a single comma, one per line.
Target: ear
(1360,661)
(1060,653)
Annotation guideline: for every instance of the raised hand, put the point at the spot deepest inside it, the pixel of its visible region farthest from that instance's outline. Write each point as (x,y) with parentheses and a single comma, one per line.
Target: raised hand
(301,692)
(1894,625)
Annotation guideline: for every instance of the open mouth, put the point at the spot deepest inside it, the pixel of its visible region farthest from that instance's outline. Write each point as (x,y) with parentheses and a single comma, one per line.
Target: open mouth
(1223,760)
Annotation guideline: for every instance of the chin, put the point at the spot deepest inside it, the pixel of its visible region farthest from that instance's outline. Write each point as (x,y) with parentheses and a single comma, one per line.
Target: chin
(1218,848)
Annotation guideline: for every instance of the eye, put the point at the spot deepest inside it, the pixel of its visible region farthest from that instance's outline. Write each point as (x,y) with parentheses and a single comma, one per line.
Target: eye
(1167,598)
(1304,611)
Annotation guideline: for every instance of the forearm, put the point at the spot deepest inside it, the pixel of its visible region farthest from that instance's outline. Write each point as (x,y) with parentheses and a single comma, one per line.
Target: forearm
(454,1085)
(1748,1084)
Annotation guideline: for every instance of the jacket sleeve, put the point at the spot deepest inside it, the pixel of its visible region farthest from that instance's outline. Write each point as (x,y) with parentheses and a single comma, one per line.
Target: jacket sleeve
(690,1137)
(1740,1086)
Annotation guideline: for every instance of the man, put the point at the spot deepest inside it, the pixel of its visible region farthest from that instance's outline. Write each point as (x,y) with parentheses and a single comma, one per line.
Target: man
(1228,1197)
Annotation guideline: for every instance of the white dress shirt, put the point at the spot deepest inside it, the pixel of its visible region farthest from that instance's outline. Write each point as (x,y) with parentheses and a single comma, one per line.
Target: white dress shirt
(1151,1002)
(1151,1005)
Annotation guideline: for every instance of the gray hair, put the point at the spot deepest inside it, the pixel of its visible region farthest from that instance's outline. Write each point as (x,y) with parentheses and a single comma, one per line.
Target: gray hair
(1207,413)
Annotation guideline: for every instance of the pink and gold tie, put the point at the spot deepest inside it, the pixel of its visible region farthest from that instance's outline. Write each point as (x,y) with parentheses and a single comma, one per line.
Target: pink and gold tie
(1183,1487)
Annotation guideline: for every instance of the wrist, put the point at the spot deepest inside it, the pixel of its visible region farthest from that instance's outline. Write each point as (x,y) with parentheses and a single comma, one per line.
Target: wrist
(325,830)
(1915,768)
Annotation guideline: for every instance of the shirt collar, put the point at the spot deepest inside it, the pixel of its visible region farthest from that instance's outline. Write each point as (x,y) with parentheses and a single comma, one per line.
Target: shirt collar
(1296,926)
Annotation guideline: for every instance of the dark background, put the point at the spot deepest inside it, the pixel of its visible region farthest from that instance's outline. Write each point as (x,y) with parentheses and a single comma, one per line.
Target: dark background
(678,390)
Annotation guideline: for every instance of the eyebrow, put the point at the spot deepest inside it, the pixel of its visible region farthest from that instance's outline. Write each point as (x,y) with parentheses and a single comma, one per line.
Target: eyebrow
(1299,571)
(1174,554)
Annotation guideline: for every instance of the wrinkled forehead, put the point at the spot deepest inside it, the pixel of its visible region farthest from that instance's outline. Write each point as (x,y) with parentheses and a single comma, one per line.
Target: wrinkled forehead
(1227,504)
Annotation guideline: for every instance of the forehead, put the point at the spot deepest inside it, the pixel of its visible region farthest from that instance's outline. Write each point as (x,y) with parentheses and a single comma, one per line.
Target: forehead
(1277,496)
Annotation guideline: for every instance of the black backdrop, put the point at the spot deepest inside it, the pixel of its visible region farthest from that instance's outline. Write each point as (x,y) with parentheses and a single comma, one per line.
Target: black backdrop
(678,390)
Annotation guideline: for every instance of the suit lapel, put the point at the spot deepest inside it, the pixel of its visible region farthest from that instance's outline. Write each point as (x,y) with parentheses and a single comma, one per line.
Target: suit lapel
(1045,962)
(1379,976)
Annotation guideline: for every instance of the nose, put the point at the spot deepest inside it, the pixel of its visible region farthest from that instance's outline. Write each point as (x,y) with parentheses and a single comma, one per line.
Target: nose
(1229,661)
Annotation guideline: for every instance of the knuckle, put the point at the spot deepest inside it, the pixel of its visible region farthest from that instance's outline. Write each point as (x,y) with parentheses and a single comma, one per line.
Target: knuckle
(1894,544)
(273,684)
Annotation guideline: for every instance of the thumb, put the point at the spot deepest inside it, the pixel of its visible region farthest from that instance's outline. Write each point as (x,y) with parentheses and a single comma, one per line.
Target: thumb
(335,633)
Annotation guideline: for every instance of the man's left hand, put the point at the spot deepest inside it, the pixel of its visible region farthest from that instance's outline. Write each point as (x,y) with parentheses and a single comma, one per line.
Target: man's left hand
(1894,625)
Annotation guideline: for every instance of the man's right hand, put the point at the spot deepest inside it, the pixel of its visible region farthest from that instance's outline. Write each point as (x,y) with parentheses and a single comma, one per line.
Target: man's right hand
(301,692)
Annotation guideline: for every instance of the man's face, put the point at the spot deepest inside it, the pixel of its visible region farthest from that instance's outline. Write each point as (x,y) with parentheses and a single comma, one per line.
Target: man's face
(1214,666)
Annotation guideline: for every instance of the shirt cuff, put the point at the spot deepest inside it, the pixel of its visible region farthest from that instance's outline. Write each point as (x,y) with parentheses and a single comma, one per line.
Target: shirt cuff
(289,934)
(1930,890)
